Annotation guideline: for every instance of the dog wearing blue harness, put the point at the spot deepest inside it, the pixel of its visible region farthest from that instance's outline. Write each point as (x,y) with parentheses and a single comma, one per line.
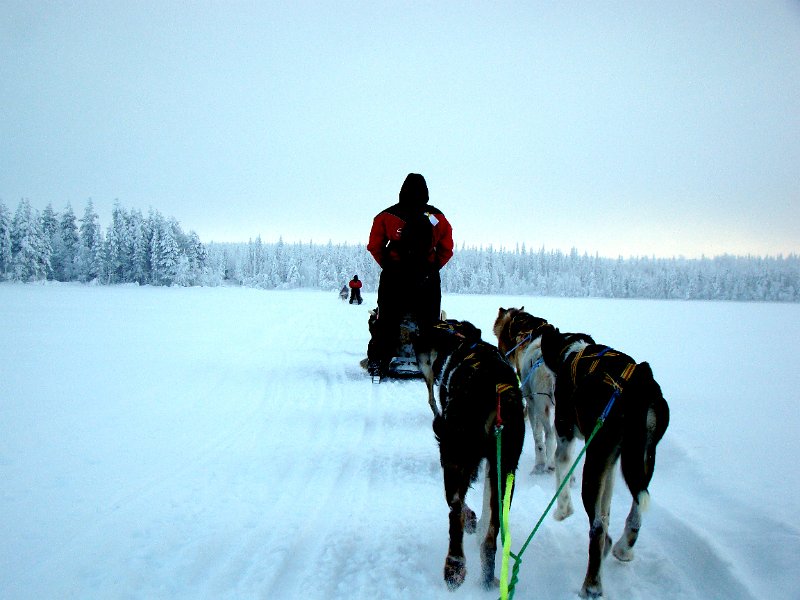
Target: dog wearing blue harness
(519,338)
(601,389)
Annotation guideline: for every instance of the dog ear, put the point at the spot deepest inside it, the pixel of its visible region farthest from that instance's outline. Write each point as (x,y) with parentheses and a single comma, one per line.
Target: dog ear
(469,331)
(549,331)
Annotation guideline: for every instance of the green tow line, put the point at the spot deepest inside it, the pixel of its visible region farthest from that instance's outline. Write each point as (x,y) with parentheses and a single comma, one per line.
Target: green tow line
(507,588)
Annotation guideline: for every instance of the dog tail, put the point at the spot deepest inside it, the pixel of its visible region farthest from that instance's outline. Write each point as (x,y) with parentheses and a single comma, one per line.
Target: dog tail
(646,419)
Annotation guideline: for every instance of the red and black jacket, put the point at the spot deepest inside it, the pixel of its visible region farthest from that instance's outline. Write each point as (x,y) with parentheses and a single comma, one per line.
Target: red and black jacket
(388,226)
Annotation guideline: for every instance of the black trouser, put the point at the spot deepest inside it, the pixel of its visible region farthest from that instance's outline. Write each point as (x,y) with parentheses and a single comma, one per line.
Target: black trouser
(402,292)
(355,295)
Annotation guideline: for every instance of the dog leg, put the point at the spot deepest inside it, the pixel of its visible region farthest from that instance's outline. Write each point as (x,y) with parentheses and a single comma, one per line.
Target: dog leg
(425,365)
(549,437)
(563,463)
(623,549)
(431,399)
(455,564)
(544,435)
(545,399)
(598,487)
(489,545)
(469,520)
(538,436)
(483,524)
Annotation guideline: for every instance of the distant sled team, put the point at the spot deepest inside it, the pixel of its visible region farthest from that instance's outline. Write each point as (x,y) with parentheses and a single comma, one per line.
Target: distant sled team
(570,387)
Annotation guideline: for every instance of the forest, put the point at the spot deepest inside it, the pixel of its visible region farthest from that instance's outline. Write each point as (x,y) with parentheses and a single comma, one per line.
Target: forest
(154,250)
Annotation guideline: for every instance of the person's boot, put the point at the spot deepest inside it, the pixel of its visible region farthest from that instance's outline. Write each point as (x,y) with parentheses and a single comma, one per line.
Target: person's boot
(377,370)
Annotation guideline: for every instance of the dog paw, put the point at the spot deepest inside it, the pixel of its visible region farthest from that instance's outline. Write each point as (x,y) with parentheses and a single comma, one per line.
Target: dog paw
(563,513)
(622,552)
(543,469)
(491,583)
(593,591)
(455,571)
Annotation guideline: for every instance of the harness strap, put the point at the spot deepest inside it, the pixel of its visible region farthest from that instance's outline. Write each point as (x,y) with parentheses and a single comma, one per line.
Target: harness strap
(534,366)
(607,352)
(627,372)
(527,338)
(501,389)
(575,363)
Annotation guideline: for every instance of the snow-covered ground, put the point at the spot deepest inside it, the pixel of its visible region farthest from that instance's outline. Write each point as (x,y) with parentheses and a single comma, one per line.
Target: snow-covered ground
(224,443)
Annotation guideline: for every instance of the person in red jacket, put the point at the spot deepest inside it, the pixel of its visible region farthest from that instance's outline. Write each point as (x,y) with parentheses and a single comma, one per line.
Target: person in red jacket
(355,290)
(411,241)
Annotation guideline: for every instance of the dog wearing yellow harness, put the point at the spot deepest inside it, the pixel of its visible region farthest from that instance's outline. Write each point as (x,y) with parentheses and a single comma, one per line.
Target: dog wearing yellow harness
(595,382)
(478,394)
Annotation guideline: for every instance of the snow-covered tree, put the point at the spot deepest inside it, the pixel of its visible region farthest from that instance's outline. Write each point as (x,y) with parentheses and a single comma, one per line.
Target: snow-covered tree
(90,251)
(5,241)
(119,247)
(30,249)
(49,223)
(66,246)
(168,252)
(155,250)
(139,249)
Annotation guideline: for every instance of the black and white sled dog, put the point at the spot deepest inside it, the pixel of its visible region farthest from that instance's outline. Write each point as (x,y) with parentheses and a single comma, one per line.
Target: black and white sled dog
(343,293)
(478,391)
(594,380)
(519,338)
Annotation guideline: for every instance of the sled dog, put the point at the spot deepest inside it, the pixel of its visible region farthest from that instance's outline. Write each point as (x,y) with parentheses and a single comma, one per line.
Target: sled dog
(478,390)
(592,380)
(519,338)
(429,362)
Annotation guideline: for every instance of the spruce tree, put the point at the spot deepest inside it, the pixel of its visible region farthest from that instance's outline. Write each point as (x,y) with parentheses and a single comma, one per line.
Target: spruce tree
(90,238)
(118,247)
(66,251)
(49,223)
(139,248)
(29,248)
(169,251)
(5,241)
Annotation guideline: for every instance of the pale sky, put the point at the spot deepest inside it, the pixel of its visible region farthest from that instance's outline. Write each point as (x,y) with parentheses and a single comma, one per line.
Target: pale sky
(621,127)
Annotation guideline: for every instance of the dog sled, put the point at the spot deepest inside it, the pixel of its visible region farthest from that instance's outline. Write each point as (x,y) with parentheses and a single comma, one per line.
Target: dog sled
(404,362)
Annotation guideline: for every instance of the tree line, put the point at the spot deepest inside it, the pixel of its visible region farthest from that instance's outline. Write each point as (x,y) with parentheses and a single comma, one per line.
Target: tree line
(135,248)
(153,250)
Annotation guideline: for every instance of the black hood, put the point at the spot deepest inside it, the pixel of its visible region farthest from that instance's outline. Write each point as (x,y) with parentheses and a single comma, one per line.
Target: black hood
(414,190)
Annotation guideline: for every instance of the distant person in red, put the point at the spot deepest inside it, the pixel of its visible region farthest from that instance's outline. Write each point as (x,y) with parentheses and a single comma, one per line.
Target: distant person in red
(355,290)
(411,241)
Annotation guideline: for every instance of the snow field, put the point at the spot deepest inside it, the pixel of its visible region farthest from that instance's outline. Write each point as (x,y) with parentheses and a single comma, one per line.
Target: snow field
(224,443)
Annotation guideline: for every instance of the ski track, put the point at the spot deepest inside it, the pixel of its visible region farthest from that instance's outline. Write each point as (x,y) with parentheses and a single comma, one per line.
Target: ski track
(302,491)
